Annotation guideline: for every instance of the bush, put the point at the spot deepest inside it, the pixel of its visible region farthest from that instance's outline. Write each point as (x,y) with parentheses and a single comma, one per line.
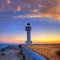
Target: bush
(20,46)
(2,54)
(19,52)
(58,53)
(2,49)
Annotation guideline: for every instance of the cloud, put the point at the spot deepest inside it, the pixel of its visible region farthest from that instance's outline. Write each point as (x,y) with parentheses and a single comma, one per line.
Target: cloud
(35,10)
(30,8)
(28,16)
(18,8)
(54,12)
(8,1)
(33,16)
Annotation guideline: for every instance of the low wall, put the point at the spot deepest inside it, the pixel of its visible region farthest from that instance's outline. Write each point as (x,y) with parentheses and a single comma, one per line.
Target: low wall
(30,55)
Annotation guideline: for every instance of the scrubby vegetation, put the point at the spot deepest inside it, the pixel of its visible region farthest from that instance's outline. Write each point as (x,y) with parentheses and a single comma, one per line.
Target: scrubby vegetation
(20,53)
(2,54)
(2,49)
(58,53)
(47,50)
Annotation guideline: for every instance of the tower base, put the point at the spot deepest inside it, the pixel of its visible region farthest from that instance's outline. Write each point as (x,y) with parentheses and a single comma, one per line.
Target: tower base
(28,42)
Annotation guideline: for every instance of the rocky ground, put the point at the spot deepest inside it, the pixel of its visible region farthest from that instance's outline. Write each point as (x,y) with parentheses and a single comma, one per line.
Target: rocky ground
(9,53)
(15,52)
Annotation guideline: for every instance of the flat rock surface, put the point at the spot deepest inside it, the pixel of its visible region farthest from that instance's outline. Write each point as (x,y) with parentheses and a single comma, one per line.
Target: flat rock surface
(10,54)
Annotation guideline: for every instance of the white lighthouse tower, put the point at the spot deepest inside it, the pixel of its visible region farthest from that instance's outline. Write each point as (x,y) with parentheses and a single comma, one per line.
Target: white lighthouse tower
(28,29)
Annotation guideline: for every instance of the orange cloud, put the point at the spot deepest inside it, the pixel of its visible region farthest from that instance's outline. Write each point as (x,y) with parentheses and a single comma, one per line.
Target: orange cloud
(54,13)
(35,10)
(41,6)
(8,1)
(28,6)
(18,8)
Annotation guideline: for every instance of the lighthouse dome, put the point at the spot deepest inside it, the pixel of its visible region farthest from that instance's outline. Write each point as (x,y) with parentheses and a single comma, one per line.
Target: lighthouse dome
(28,23)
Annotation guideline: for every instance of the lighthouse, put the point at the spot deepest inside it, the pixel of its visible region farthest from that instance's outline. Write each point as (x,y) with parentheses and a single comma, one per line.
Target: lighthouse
(28,29)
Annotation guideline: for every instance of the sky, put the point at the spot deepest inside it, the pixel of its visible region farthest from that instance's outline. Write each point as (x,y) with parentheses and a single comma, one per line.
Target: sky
(43,16)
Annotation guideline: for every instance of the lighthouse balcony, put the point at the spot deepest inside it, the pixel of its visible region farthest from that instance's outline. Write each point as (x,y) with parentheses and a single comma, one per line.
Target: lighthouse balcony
(28,42)
(28,28)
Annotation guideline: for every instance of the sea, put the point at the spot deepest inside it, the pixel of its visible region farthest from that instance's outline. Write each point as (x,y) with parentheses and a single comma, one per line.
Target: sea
(3,45)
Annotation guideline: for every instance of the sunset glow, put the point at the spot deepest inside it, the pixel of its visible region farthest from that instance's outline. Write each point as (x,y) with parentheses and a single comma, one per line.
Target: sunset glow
(43,15)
